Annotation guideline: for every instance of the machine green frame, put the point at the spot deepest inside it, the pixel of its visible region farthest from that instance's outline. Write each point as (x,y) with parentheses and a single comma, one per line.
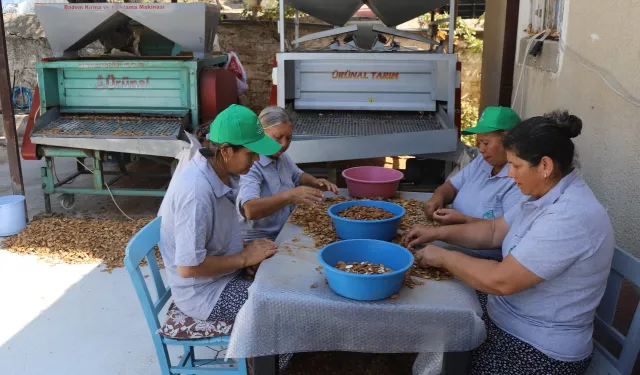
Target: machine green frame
(145,86)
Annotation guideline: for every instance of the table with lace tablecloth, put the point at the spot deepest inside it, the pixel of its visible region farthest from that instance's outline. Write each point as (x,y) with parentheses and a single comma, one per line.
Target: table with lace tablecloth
(290,309)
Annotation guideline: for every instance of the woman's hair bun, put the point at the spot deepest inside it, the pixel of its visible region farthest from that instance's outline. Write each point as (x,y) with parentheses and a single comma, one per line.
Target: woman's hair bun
(570,124)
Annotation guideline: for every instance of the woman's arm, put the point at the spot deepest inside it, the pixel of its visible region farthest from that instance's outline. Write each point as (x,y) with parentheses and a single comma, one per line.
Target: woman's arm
(445,193)
(482,234)
(449,216)
(488,276)
(441,197)
(193,221)
(259,208)
(251,205)
(212,266)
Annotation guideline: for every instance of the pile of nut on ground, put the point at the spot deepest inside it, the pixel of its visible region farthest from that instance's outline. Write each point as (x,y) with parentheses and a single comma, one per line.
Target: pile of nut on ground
(77,240)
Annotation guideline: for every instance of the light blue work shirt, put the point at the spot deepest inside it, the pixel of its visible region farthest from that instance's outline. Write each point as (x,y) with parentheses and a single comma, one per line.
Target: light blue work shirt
(482,195)
(199,221)
(566,238)
(266,178)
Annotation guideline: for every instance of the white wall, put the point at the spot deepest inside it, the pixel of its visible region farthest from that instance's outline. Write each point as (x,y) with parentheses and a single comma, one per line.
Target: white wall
(605,36)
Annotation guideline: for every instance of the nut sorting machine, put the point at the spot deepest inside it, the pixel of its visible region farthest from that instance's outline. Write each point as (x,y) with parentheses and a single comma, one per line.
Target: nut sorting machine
(123,109)
(364,95)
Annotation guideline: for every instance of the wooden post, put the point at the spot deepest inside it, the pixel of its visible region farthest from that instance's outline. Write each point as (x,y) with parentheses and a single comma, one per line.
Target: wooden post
(8,119)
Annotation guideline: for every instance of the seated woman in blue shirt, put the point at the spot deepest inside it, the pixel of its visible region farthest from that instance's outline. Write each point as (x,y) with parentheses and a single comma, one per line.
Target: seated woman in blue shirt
(269,192)
(201,246)
(557,246)
(482,189)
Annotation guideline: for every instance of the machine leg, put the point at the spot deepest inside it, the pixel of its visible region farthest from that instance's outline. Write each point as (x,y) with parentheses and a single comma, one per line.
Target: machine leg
(98,177)
(48,185)
(332,174)
(47,203)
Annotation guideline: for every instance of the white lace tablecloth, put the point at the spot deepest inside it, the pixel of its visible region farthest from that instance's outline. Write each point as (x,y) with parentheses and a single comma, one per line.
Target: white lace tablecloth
(290,309)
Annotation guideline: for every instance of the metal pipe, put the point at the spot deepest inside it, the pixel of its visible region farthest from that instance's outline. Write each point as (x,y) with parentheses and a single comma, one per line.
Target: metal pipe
(297,27)
(115,192)
(452,24)
(8,119)
(137,174)
(66,152)
(281,25)
(71,177)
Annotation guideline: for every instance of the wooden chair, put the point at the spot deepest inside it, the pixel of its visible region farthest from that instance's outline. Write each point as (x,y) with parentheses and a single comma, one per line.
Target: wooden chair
(625,266)
(142,246)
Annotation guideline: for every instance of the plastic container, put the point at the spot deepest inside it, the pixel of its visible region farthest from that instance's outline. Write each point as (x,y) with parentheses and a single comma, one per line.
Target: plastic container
(370,182)
(365,287)
(12,216)
(349,229)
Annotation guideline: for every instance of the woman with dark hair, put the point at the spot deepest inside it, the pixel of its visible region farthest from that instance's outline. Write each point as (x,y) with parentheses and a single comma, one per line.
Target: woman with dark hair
(200,237)
(557,248)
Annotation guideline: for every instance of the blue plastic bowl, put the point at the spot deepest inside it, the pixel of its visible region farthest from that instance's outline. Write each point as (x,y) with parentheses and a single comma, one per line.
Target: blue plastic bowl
(348,229)
(365,287)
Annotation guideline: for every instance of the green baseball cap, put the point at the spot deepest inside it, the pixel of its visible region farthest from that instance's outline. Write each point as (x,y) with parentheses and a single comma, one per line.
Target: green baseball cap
(494,119)
(239,126)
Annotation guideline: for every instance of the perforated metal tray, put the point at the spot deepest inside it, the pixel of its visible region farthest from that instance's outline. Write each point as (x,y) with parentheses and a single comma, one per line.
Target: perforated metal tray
(55,125)
(357,124)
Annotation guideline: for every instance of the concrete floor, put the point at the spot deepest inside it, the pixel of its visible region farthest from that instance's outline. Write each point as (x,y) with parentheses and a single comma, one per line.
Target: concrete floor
(70,319)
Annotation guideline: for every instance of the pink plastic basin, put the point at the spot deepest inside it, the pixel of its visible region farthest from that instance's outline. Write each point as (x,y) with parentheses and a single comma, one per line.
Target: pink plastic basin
(369,182)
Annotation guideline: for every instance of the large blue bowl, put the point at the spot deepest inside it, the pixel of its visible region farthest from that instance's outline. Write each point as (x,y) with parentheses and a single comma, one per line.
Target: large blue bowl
(348,229)
(365,287)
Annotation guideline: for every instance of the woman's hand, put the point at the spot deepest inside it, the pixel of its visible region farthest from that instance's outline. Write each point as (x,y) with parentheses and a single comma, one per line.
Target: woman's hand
(325,185)
(304,194)
(257,251)
(431,256)
(419,235)
(431,206)
(447,216)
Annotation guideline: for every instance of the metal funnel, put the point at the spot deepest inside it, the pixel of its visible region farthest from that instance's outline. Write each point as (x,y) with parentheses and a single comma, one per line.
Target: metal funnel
(333,12)
(395,12)
(71,27)
(390,12)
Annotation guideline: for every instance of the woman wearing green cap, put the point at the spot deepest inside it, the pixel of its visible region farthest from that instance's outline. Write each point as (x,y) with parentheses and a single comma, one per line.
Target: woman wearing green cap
(558,247)
(482,189)
(200,238)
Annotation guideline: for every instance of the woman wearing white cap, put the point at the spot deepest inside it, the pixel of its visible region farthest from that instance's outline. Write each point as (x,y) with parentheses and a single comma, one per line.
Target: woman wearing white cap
(269,192)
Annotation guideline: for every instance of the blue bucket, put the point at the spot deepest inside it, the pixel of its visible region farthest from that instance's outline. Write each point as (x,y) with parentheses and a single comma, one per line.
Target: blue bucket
(12,216)
(384,230)
(365,287)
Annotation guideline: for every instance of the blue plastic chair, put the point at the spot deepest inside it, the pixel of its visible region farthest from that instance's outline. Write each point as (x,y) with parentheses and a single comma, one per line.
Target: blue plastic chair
(624,266)
(142,246)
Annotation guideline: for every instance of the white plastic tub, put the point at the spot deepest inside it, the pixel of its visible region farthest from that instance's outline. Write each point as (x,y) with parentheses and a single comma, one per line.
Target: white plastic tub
(12,217)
